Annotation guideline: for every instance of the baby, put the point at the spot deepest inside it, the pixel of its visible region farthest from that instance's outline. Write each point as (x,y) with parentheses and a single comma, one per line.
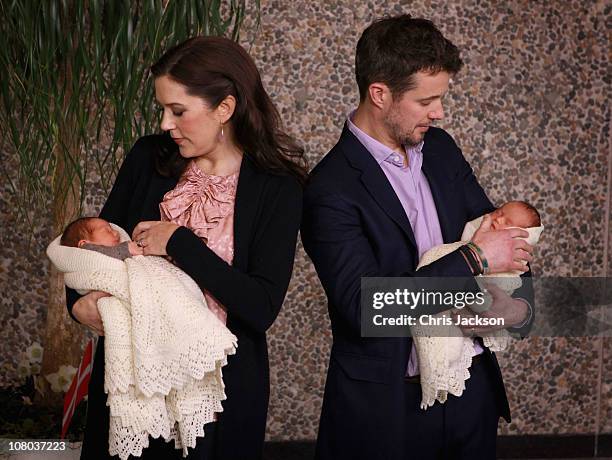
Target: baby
(97,235)
(513,214)
(444,354)
(163,348)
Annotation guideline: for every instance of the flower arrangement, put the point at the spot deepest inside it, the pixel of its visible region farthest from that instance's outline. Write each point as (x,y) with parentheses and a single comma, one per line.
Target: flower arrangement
(60,380)
(23,416)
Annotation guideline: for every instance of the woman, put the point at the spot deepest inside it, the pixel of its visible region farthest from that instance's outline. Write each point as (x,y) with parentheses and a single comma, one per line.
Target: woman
(220,193)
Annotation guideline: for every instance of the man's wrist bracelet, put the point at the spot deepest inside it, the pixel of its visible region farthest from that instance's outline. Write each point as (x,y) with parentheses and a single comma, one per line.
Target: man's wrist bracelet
(481,257)
(471,259)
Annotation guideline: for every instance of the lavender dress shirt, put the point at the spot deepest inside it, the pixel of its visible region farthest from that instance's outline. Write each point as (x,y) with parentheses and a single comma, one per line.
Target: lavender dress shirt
(412,189)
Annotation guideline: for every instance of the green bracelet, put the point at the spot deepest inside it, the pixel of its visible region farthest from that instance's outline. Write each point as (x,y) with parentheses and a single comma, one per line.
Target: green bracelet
(472,259)
(483,259)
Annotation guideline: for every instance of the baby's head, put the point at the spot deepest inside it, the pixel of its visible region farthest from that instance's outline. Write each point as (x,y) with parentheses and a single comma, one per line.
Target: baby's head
(515,214)
(90,230)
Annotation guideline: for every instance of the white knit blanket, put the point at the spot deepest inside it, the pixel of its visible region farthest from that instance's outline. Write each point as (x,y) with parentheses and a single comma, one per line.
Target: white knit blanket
(164,349)
(444,354)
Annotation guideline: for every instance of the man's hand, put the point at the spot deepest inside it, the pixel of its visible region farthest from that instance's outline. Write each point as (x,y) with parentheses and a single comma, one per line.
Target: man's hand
(504,249)
(85,310)
(513,311)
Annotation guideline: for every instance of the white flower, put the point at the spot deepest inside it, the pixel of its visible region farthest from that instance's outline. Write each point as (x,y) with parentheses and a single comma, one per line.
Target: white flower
(60,381)
(35,353)
(68,372)
(53,379)
(23,369)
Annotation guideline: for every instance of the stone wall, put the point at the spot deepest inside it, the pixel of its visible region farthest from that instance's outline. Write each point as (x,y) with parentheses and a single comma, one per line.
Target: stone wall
(530,111)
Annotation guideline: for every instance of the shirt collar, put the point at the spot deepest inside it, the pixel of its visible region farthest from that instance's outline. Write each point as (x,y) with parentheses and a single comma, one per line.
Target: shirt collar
(380,151)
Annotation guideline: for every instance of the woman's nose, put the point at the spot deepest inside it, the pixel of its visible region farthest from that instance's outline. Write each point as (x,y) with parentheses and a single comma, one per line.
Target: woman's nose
(166,122)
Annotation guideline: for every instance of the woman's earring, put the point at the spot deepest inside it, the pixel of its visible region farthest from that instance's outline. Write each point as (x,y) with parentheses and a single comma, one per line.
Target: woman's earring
(221,131)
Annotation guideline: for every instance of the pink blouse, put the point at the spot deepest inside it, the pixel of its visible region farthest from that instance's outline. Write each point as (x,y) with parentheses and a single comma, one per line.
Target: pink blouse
(205,204)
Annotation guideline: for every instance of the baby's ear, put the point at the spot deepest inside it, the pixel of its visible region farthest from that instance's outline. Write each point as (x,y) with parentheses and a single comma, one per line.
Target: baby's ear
(487,220)
(81,243)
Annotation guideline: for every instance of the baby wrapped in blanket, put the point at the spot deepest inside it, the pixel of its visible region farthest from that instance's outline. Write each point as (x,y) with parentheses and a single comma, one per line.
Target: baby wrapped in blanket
(444,354)
(164,349)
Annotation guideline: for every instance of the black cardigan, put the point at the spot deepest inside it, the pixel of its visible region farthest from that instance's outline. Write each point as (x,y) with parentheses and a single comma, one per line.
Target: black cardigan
(267,217)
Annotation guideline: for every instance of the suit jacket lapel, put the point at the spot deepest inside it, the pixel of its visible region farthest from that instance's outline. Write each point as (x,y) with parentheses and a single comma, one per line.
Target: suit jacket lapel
(376,183)
(149,208)
(442,194)
(248,194)
(159,187)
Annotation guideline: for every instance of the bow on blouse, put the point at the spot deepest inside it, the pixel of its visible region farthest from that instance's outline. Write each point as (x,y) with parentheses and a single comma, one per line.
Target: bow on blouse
(199,201)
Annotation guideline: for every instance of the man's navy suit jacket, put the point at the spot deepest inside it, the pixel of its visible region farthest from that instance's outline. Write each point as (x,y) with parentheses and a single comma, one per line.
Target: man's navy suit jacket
(354,226)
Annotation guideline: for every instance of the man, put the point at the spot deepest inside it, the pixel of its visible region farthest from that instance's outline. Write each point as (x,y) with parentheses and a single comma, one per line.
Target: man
(393,187)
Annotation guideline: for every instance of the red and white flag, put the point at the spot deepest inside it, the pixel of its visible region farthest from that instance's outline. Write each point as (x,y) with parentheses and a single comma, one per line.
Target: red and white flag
(78,387)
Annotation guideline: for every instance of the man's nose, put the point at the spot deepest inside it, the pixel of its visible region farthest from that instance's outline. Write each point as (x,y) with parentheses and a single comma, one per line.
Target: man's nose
(437,113)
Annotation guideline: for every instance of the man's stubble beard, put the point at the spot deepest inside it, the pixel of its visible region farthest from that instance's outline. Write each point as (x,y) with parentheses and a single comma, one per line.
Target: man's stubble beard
(394,129)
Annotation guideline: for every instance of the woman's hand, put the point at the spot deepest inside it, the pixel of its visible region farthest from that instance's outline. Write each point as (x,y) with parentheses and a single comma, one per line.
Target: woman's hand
(134,249)
(153,235)
(86,311)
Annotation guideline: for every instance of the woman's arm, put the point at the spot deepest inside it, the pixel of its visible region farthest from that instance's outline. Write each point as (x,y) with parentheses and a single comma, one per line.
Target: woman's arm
(253,296)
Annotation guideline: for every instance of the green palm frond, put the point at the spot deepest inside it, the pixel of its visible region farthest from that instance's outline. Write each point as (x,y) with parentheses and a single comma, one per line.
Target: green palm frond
(76,77)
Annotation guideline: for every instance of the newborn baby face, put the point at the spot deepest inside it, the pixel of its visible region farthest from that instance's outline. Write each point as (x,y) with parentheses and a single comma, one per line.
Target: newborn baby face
(512,214)
(103,234)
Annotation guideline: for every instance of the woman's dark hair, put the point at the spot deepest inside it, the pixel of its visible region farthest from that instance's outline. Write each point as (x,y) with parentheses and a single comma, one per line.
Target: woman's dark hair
(391,50)
(213,68)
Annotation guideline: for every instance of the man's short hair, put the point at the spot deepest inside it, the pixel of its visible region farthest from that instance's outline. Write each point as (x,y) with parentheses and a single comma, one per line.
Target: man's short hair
(392,49)
(76,231)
